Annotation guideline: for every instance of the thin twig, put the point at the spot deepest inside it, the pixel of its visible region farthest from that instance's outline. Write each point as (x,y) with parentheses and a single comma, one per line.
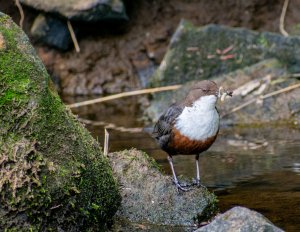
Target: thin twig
(73,36)
(106,140)
(296,75)
(17,2)
(126,94)
(289,88)
(56,206)
(282,16)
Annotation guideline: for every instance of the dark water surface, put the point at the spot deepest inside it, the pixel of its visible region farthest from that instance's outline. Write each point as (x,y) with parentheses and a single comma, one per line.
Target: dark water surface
(258,168)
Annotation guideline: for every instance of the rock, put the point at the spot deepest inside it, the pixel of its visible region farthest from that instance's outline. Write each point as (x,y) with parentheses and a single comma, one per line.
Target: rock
(201,53)
(82,10)
(253,84)
(53,176)
(240,219)
(150,197)
(51,31)
(248,83)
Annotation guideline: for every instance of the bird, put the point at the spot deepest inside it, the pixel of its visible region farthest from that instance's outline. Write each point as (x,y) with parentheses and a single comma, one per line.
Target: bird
(190,126)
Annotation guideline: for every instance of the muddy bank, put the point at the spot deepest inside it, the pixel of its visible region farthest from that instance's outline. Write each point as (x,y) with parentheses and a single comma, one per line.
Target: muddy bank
(117,58)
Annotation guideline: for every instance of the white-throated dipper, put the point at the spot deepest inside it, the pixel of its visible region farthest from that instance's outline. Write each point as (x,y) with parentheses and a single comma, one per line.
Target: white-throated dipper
(191,126)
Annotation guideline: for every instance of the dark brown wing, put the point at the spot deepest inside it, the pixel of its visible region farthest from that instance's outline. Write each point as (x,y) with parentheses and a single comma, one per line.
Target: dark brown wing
(163,127)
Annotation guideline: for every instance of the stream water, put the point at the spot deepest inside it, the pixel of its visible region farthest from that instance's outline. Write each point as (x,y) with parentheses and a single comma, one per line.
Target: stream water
(258,168)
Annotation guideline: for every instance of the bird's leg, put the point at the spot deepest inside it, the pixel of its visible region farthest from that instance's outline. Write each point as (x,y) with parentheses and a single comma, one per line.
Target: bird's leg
(197,181)
(176,182)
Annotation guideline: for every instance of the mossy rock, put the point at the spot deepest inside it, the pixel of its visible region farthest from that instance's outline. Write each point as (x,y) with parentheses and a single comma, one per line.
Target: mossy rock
(53,175)
(150,197)
(203,52)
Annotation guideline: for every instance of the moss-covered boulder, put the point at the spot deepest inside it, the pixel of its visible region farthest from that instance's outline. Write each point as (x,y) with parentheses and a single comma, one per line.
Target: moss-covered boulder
(202,52)
(53,175)
(149,197)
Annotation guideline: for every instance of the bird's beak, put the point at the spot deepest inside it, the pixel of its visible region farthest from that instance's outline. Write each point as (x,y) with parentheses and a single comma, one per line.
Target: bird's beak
(223,93)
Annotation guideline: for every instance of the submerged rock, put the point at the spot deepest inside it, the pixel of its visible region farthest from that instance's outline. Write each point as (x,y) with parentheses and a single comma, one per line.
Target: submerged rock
(82,10)
(204,52)
(151,197)
(53,175)
(51,31)
(250,85)
(240,219)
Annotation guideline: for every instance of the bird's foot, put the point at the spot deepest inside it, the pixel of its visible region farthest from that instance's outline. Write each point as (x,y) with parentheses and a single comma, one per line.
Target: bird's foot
(181,187)
(197,183)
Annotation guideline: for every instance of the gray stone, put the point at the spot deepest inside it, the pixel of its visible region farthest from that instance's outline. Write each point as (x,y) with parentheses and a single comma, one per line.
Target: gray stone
(204,52)
(240,219)
(82,10)
(52,31)
(151,197)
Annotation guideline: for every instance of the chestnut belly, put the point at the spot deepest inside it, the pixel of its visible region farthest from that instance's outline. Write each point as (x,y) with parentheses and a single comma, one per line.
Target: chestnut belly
(181,144)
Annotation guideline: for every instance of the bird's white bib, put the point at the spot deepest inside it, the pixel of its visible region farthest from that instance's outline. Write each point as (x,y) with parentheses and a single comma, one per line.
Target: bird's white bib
(201,120)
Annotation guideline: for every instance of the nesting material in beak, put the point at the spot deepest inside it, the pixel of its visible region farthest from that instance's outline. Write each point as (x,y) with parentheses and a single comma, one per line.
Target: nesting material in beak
(223,93)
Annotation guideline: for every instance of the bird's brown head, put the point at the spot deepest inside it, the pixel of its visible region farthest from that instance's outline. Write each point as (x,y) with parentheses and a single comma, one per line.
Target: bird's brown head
(199,89)
(205,88)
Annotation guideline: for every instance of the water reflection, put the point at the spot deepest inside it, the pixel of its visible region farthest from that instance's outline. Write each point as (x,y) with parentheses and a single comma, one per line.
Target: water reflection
(255,167)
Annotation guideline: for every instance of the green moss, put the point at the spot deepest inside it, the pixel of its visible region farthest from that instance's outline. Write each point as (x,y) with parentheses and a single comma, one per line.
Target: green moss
(262,40)
(152,162)
(61,179)
(210,210)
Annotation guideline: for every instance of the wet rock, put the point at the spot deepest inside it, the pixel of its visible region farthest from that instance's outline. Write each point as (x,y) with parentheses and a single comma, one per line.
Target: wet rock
(240,219)
(250,85)
(204,52)
(82,10)
(53,176)
(150,197)
(51,31)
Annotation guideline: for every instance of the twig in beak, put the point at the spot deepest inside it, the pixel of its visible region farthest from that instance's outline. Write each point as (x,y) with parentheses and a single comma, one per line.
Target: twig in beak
(223,96)
(220,91)
(223,93)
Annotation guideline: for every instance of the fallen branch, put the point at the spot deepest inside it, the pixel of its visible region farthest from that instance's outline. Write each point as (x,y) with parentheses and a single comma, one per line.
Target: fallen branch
(126,94)
(289,88)
(17,2)
(282,16)
(73,36)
